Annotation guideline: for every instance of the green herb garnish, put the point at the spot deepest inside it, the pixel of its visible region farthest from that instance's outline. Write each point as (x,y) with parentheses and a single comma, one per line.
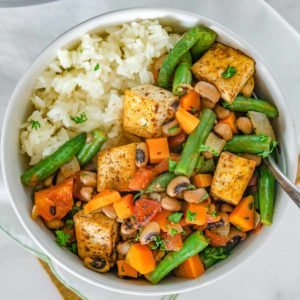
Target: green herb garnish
(70,223)
(175,217)
(173,129)
(266,153)
(229,72)
(191,187)
(97,67)
(80,119)
(62,238)
(173,231)
(159,243)
(203,148)
(73,248)
(172,165)
(35,124)
(191,216)
(204,197)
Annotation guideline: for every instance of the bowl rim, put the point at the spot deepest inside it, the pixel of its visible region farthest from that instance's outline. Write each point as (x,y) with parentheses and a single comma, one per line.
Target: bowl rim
(136,11)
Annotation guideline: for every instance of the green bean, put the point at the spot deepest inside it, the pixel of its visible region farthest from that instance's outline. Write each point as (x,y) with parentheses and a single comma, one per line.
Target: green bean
(52,163)
(89,149)
(184,45)
(183,74)
(256,200)
(193,244)
(206,39)
(266,195)
(159,184)
(207,167)
(190,153)
(200,163)
(256,144)
(245,104)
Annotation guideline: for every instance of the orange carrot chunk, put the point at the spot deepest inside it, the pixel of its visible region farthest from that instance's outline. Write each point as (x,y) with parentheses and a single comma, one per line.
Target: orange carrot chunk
(190,101)
(190,268)
(231,121)
(124,269)
(141,178)
(202,180)
(55,202)
(104,198)
(158,149)
(196,213)
(140,258)
(243,214)
(187,121)
(124,207)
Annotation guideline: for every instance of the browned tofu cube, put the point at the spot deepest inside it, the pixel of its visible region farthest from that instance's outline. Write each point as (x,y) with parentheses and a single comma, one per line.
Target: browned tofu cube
(146,108)
(116,166)
(215,61)
(231,177)
(96,236)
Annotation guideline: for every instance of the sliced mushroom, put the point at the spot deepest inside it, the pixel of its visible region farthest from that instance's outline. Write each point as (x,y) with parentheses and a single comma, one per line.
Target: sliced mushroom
(178,185)
(109,211)
(128,231)
(171,128)
(86,193)
(88,178)
(235,237)
(97,264)
(195,196)
(141,155)
(170,204)
(151,230)
(54,224)
(208,91)
(123,248)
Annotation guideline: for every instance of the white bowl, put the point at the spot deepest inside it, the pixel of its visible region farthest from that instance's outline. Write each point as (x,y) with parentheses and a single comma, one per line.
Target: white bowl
(13,163)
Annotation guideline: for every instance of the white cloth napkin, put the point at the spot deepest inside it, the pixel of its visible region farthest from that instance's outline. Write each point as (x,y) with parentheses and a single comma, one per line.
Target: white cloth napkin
(26,31)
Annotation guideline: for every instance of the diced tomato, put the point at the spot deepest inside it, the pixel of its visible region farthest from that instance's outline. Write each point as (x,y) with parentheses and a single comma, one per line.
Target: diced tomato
(55,202)
(163,166)
(172,242)
(176,140)
(141,178)
(145,210)
(215,239)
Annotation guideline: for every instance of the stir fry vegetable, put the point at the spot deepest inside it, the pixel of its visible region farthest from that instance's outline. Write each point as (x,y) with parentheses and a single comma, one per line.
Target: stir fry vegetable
(182,185)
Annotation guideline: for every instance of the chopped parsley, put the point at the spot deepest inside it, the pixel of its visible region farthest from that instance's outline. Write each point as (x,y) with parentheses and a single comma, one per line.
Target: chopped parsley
(263,138)
(97,67)
(175,217)
(62,238)
(173,231)
(173,129)
(70,223)
(213,213)
(172,165)
(204,197)
(80,119)
(73,248)
(271,149)
(158,243)
(203,148)
(191,216)
(229,72)
(35,124)
(191,187)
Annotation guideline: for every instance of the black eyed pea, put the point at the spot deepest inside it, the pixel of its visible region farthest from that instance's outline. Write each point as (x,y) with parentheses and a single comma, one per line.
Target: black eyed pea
(88,178)
(207,91)
(170,204)
(97,264)
(195,196)
(141,155)
(86,193)
(224,131)
(151,230)
(178,185)
(123,247)
(171,128)
(244,125)
(221,112)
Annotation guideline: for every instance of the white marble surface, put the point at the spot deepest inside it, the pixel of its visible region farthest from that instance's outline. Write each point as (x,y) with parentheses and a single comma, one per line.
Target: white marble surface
(271,274)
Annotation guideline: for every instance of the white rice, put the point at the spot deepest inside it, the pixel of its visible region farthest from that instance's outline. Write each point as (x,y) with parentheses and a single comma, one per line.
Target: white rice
(91,79)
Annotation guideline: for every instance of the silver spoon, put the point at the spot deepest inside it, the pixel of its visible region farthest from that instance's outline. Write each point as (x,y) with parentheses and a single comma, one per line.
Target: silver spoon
(290,188)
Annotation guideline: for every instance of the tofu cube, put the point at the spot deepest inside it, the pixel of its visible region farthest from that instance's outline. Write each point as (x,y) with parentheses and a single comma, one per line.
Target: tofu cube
(231,177)
(96,236)
(116,166)
(215,61)
(146,108)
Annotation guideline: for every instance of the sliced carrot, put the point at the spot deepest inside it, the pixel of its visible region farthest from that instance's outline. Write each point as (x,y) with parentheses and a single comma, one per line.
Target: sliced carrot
(141,178)
(190,101)
(163,166)
(162,219)
(158,149)
(231,121)
(243,214)
(202,180)
(172,242)
(140,258)
(190,268)
(124,207)
(124,269)
(216,240)
(196,213)
(176,140)
(55,202)
(187,121)
(104,198)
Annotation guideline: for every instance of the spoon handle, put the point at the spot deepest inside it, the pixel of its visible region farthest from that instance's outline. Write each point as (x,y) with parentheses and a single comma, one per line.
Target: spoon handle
(290,188)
